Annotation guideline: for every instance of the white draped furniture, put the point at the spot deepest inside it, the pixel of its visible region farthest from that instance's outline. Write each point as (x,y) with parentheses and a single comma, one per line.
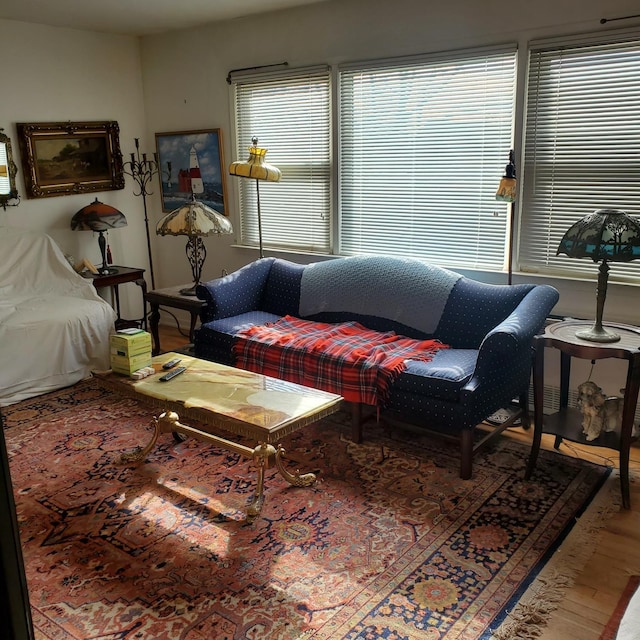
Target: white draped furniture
(54,328)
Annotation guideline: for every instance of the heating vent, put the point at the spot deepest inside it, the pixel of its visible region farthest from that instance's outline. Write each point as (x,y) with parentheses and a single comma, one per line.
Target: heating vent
(552,400)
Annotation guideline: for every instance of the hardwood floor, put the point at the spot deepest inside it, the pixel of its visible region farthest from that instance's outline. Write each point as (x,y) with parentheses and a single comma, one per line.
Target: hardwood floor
(589,603)
(172,338)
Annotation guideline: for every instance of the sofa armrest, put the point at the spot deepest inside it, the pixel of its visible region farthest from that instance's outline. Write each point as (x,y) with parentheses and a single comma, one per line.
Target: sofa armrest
(509,342)
(239,292)
(524,322)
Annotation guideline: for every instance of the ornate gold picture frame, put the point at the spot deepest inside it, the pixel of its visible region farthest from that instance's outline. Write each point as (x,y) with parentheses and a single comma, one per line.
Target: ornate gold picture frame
(63,158)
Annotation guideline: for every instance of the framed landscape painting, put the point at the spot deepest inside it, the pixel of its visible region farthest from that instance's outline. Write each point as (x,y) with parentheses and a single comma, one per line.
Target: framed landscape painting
(62,158)
(192,162)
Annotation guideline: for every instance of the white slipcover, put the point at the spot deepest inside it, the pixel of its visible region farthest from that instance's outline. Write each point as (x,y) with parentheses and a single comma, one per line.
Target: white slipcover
(630,624)
(54,328)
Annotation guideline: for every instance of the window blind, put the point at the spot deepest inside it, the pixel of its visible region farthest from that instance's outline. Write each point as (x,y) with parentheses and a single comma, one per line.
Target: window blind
(423,145)
(289,113)
(582,145)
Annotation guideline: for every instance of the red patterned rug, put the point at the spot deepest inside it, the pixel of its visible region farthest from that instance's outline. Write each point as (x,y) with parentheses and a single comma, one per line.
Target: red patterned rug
(396,549)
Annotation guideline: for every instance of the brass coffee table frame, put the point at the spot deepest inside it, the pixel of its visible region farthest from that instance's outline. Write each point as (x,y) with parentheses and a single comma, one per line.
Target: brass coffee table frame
(267,427)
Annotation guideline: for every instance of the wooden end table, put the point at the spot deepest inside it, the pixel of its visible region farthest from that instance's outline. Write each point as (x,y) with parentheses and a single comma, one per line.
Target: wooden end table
(171,297)
(122,275)
(567,422)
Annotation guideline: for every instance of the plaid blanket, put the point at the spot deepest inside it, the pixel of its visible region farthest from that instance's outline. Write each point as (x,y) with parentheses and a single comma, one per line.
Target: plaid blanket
(347,358)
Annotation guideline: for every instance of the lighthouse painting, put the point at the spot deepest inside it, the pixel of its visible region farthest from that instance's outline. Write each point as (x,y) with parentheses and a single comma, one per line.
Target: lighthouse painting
(197,167)
(197,185)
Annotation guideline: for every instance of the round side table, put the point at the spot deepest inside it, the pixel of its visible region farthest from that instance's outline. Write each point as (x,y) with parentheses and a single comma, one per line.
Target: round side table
(567,422)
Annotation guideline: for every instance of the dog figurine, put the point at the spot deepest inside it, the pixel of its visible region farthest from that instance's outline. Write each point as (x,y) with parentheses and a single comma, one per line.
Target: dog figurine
(599,411)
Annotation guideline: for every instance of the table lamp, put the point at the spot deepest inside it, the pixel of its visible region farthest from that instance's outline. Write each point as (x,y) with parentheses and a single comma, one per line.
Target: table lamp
(607,235)
(194,220)
(99,217)
(255,167)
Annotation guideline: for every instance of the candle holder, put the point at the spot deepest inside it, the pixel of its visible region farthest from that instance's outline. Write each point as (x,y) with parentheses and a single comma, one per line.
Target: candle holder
(143,170)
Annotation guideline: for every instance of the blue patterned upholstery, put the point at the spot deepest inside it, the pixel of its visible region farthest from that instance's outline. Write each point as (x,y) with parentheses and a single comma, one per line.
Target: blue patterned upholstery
(282,293)
(357,285)
(239,292)
(489,329)
(442,377)
(474,308)
(215,338)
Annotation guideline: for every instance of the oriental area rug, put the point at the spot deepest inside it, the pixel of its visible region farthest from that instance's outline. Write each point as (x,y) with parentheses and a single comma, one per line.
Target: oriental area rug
(388,543)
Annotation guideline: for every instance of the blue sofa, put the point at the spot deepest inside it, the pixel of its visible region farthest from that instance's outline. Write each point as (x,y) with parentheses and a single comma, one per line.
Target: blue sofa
(488,329)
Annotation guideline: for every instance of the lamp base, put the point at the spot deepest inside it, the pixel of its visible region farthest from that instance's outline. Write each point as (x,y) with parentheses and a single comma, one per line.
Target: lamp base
(597,334)
(105,271)
(190,291)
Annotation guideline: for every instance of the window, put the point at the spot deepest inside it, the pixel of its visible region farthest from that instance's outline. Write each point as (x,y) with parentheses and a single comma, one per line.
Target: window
(582,144)
(423,145)
(289,113)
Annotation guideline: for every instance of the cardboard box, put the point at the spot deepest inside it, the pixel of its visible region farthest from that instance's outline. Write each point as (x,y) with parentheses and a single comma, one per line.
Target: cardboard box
(128,364)
(122,344)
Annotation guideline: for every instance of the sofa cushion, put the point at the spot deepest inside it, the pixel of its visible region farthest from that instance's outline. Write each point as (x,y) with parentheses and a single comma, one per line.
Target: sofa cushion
(231,326)
(347,358)
(441,377)
(214,339)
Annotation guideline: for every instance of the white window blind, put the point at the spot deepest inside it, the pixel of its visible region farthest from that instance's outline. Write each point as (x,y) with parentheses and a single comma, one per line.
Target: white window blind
(423,145)
(290,116)
(582,145)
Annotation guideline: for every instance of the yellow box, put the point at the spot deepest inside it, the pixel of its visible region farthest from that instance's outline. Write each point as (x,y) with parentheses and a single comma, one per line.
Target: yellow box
(129,364)
(123,344)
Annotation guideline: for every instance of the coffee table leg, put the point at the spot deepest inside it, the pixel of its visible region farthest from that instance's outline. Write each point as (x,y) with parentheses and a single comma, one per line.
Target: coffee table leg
(297,479)
(167,421)
(261,455)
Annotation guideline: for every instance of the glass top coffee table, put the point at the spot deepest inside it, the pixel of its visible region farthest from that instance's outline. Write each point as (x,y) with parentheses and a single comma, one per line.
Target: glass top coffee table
(238,402)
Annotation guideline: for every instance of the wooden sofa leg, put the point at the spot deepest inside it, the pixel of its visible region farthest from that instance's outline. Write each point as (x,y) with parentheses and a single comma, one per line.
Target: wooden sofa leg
(525,418)
(356,422)
(466,453)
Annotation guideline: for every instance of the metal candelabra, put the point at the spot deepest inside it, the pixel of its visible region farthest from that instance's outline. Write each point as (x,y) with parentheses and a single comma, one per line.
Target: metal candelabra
(142,170)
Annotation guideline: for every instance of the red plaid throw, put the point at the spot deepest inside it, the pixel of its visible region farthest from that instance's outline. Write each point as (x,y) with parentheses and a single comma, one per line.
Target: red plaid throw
(348,359)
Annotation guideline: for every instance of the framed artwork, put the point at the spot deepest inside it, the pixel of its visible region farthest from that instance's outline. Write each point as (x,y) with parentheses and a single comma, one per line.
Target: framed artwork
(63,158)
(192,162)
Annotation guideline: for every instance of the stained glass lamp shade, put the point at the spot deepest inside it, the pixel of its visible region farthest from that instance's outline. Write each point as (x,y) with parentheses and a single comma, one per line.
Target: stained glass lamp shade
(194,219)
(607,235)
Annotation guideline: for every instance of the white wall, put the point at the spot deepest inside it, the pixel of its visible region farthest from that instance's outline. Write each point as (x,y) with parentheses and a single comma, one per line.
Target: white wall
(53,74)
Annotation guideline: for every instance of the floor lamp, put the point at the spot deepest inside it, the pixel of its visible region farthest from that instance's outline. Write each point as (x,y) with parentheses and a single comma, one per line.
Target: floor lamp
(255,167)
(507,193)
